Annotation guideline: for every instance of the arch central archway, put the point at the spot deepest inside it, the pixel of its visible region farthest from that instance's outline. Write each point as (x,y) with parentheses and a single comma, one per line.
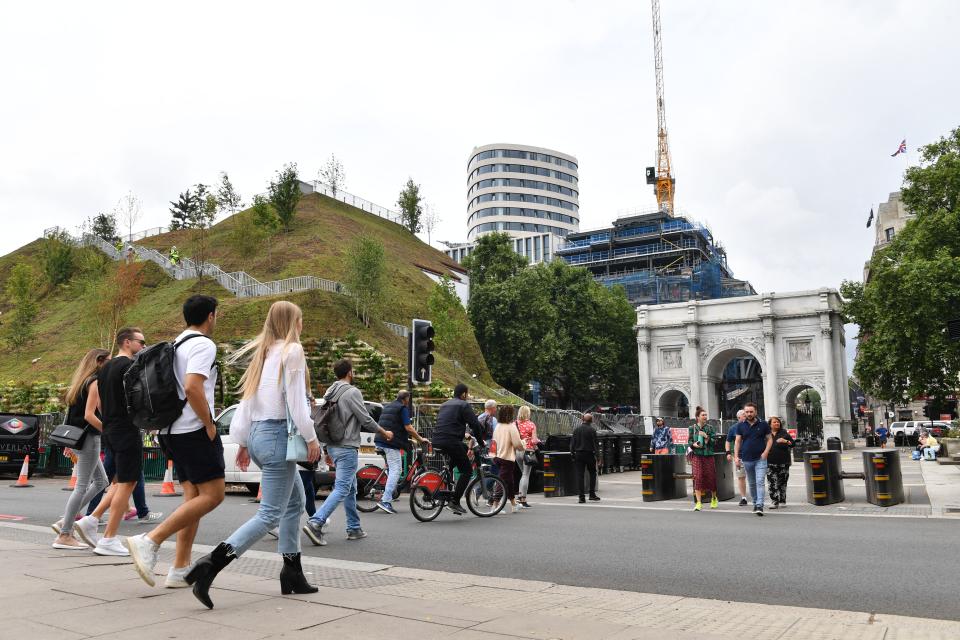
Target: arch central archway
(804,410)
(734,377)
(673,403)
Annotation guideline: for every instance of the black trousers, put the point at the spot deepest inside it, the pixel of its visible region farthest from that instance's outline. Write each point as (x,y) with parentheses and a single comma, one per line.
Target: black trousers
(458,460)
(585,461)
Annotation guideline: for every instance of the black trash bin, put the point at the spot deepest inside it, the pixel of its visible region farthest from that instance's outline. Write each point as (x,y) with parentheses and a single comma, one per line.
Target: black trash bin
(824,480)
(658,476)
(799,446)
(606,450)
(881,470)
(833,444)
(872,441)
(725,476)
(558,442)
(900,439)
(624,452)
(641,445)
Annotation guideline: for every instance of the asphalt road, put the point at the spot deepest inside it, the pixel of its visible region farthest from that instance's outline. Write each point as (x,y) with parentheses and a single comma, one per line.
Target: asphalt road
(894,565)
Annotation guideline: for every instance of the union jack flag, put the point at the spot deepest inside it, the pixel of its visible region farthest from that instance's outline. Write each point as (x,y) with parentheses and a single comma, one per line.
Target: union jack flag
(901,149)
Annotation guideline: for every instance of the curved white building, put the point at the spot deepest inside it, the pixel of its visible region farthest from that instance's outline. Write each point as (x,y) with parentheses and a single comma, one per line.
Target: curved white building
(531,193)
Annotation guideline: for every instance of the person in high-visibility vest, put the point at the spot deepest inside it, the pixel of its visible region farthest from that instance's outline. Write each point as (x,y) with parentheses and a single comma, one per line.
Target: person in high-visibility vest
(174,255)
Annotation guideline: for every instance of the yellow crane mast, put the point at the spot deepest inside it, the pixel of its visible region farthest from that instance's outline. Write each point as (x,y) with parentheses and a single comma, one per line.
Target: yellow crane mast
(661,178)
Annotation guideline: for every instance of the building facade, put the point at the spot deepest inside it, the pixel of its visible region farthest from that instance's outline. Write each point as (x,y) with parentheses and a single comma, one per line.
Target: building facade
(795,339)
(657,258)
(530,193)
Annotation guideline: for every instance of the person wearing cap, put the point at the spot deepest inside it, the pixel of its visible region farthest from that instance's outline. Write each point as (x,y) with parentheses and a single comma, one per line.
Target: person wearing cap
(662,439)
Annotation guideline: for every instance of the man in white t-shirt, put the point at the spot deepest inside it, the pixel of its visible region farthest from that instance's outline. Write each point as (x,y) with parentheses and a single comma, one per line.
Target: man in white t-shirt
(191,442)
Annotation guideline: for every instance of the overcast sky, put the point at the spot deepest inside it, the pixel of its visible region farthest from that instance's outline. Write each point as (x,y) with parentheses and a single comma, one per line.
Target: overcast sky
(782,115)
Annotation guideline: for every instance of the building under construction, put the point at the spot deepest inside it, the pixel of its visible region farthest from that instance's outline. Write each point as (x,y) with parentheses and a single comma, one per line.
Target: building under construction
(657,258)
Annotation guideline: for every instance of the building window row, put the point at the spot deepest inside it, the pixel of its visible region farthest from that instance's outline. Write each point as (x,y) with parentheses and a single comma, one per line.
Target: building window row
(525,197)
(523,168)
(534,249)
(528,227)
(522,155)
(522,184)
(526,213)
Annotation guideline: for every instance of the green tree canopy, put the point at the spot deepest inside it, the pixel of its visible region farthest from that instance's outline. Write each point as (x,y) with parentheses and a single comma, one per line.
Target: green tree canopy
(285,194)
(448,318)
(21,289)
(366,275)
(493,260)
(411,208)
(914,287)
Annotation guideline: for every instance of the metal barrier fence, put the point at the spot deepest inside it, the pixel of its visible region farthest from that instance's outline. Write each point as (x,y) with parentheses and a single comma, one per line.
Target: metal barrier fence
(358,202)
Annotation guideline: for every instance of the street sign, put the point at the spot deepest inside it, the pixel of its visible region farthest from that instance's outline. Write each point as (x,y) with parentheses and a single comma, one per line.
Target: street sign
(680,435)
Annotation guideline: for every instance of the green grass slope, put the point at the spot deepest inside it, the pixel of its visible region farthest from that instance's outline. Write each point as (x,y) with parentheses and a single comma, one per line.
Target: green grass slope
(316,245)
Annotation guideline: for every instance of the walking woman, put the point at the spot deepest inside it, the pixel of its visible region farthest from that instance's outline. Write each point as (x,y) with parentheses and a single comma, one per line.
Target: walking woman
(274,393)
(509,444)
(701,459)
(778,462)
(528,433)
(83,400)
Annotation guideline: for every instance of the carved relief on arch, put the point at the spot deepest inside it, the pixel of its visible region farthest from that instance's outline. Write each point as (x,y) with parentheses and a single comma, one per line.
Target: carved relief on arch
(754,344)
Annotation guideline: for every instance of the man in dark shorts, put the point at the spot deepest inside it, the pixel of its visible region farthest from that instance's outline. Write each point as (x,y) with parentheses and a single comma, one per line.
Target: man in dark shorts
(121,435)
(192,443)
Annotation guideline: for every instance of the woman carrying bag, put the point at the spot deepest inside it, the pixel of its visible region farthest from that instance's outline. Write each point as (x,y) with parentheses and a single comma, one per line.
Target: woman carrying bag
(83,401)
(528,458)
(274,429)
(778,462)
(701,460)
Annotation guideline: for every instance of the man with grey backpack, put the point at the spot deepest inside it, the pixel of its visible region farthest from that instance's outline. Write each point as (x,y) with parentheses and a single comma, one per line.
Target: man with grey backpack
(341,418)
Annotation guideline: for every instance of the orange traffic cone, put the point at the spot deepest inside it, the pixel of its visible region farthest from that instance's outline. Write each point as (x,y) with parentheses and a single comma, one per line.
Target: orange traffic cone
(73,480)
(259,495)
(167,490)
(22,481)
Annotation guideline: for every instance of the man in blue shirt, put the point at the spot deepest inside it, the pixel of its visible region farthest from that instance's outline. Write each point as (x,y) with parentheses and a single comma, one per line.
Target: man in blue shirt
(395,418)
(738,467)
(752,448)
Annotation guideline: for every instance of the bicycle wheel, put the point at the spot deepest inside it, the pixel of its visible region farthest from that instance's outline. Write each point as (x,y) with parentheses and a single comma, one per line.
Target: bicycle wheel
(488,498)
(370,486)
(426,500)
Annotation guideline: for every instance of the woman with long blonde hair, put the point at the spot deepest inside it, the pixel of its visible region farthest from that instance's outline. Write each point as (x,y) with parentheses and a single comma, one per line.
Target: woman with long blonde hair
(83,400)
(274,392)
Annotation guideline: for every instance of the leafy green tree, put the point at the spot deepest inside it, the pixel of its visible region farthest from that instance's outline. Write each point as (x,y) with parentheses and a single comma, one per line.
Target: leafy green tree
(448,317)
(285,194)
(410,205)
(914,287)
(104,226)
(493,260)
(366,276)
(202,215)
(228,200)
(21,289)
(266,222)
(245,236)
(58,255)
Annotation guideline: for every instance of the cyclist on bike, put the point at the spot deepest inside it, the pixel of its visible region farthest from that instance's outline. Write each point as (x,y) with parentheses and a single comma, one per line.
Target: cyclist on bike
(455,421)
(395,418)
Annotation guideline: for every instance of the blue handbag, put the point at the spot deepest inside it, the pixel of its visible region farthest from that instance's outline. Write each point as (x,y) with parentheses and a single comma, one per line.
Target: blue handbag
(296,445)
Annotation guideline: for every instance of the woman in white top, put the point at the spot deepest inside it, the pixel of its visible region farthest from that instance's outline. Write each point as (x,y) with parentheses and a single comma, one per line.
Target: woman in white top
(274,387)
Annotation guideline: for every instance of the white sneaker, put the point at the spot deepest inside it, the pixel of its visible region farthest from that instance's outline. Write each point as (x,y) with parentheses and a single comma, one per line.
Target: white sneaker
(86,529)
(143,552)
(150,518)
(176,578)
(110,547)
(57,526)
(516,508)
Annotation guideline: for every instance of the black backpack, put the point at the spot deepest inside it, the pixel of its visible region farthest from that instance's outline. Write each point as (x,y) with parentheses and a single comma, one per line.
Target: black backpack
(326,420)
(150,386)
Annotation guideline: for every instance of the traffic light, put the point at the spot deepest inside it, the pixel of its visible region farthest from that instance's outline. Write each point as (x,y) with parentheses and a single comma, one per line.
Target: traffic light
(421,352)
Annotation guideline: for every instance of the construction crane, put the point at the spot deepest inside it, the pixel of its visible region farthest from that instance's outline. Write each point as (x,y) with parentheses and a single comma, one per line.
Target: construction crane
(660,177)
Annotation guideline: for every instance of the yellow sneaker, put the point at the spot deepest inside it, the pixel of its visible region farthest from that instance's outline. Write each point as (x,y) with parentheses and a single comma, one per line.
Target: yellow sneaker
(697,506)
(714,503)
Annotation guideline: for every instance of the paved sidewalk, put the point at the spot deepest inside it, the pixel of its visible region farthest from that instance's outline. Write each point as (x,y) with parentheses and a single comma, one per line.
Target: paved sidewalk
(931,490)
(66,595)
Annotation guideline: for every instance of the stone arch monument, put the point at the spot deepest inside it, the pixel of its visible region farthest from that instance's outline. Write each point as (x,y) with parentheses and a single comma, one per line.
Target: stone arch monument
(768,348)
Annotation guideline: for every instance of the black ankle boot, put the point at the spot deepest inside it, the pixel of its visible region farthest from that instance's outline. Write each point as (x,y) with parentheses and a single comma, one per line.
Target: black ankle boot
(292,579)
(206,569)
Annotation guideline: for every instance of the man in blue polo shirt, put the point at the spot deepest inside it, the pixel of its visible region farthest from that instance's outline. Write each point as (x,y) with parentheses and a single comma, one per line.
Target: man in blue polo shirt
(752,447)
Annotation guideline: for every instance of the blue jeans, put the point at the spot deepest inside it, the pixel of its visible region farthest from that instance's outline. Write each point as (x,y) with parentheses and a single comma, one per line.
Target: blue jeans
(394,471)
(756,472)
(139,491)
(344,488)
(282,499)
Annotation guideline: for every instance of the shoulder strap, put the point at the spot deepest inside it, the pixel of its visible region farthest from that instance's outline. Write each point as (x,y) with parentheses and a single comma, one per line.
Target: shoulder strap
(176,345)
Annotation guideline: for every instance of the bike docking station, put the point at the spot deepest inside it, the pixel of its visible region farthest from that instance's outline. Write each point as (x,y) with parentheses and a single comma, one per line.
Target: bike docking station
(881,474)
(664,476)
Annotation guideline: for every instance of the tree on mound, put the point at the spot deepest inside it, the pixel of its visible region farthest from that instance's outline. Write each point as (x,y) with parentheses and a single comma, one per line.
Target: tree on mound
(410,203)
(366,274)
(285,194)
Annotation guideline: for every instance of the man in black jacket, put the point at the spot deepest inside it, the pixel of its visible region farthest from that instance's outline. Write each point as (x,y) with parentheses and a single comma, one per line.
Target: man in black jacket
(583,446)
(454,418)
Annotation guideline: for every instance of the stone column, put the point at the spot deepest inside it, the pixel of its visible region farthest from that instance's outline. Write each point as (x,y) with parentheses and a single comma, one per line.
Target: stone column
(771,394)
(831,417)
(693,368)
(643,356)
